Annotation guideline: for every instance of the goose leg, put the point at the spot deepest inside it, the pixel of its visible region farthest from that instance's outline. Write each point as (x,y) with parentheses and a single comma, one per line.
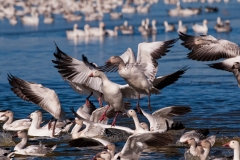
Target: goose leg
(114,120)
(149,105)
(138,107)
(100,100)
(87,101)
(54,126)
(104,114)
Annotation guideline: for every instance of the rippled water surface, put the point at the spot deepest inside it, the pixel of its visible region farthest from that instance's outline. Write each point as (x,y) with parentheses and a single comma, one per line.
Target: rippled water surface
(212,94)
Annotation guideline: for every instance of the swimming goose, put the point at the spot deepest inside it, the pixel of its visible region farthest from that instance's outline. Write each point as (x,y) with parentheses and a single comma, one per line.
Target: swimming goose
(181,27)
(33,19)
(143,9)
(94,31)
(68,66)
(142,26)
(44,97)
(154,28)
(219,23)
(77,32)
(17,125)
(115,15)
(158,119)
(33,150)
(48,18)
(144,68)
(201,28)
(208,48)
(168,27)
(36,130)
(114,32)
(128,9)
(223,28)
(235,146)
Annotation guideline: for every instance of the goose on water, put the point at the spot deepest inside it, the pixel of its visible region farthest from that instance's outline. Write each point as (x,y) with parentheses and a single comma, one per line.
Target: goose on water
(33,150)
(158,119)
(42,96)
(168,27)
(181,27)
(16,125)
(145,67)
(201,28)
(76,32)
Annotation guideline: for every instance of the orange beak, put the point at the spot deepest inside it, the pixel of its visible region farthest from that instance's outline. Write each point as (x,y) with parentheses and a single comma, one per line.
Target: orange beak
(226,145)
(90,75)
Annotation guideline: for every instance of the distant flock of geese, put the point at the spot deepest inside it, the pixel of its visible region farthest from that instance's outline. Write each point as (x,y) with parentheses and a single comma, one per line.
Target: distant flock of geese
(139,72)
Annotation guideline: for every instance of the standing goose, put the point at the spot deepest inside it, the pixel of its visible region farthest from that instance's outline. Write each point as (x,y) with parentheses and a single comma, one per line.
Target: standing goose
(17,125)
(140,74)
(72,71)
(158,119)
(33,150)
(44,97)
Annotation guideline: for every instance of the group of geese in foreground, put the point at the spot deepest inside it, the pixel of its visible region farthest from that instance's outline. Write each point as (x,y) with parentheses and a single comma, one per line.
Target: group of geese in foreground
(140,74)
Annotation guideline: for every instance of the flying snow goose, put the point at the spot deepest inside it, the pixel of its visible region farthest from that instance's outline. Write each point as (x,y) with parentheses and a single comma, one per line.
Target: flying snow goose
(236,148)
(17,125)
(36,130)
(86,110)
(230,65)
(194,149)
(135,145)
(158,119)
(44,97)
(208,48)
(71,70)
(33,150)
(201,28)
(144,68)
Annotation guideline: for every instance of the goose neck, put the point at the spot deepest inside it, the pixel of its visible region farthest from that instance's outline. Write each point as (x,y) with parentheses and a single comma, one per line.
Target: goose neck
(236,154)
(21,145)
(10,120)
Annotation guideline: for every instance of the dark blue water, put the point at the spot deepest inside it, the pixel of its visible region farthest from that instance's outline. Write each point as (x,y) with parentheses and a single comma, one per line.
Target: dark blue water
(27,52)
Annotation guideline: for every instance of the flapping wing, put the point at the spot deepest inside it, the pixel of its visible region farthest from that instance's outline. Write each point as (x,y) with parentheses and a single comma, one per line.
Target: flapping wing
(208,48)
(46,98)
(128,56)
(148,53)
(226,64)
(164,81)
(76,71)
(172,111)
(128,92)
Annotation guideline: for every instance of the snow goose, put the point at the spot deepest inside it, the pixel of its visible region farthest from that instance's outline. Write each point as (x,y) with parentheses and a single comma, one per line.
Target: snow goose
(68,66)
(223,28)
(181,27)
(128,9)
(115,15)
(219,23)
(42,96)
(33,19)
(201,28)
(168,27)
(86,110)
(158,119)
(143,9)
(113,32)
(211,9)
(93,31)
(48,18)
(76,32)
(208,48)
(135,145)
(36,130)
(33,150)
(175,11)
(194,150)
(145,68)
(235,146)
(154,28)
(142,26)
(17,125)
(13,20)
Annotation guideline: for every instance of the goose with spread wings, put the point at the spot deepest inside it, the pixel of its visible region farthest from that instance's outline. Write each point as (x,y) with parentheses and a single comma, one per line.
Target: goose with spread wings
(36,93)
(140,72)
(75,73)
(208,48)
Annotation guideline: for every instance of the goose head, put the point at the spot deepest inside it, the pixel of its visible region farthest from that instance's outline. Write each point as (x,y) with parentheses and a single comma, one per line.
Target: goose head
(143,23)
(232,144)
(116,28)
(95,73)
(165,23)
(205,144)
(125,23)
(105,155)
(236,65)
(132,113)
(7,114)
(101,24)
(114,60)
(205,22)
(21,134)
(179,23)
(110,147)
(36,114)
(219,20)
(190,141)
(75,26)
(144,126)
(147,21)
(154,22)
